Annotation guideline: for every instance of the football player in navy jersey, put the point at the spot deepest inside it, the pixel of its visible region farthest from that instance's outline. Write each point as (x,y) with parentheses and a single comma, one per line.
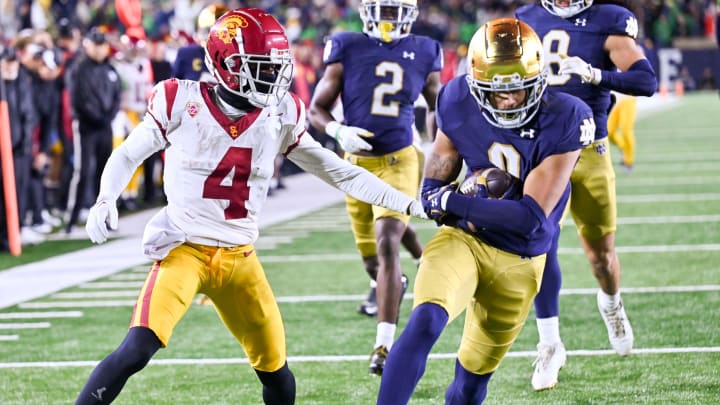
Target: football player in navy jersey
(379,74)
(488,257)
(591,50)
(189,63)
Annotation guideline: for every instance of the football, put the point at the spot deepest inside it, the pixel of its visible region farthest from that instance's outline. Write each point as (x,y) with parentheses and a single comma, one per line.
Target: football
(497,182)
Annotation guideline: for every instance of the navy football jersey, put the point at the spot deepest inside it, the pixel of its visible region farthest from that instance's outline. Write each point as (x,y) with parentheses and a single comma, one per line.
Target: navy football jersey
(563,123)
(581,35)
(381,81)
(189,63)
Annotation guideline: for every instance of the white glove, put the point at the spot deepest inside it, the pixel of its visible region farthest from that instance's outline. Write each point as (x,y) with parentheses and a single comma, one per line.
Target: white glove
(102,214)
(576,66)
(415,209)
(349,138)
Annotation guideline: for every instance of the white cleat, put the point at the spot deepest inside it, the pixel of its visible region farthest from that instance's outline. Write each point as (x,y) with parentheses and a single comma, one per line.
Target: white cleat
(551,358)
(618,326)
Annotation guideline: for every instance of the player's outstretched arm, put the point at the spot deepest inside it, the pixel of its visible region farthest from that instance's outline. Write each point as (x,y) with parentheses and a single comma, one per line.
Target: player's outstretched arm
(116,175)
(310,156)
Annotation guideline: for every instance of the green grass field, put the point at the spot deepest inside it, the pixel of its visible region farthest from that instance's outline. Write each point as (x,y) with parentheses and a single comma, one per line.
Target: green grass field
(669,242)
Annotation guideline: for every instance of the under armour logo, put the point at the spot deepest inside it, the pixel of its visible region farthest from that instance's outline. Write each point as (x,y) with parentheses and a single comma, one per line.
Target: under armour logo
(580,22)
(527,133)
(98,394)
(409,55)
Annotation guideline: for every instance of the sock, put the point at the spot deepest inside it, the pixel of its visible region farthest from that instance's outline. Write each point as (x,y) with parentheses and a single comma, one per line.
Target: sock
(548,330)
(109,377)
(609,301)
(385,334)
(406,362)
(467,388)
(278,386)
(547,301)
(373,284)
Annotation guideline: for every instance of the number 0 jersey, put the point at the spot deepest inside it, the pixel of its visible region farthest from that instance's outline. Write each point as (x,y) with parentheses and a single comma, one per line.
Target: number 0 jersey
(582,35)
(562,124)
(381,81)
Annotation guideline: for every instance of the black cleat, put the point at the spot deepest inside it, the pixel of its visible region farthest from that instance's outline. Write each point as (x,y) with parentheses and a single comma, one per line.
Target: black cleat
(377,360)
(369,306)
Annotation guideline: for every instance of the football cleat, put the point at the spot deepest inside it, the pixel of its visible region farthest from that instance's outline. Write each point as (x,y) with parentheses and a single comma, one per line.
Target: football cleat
(618,326)
(369,306)
(551,358)
(377,360)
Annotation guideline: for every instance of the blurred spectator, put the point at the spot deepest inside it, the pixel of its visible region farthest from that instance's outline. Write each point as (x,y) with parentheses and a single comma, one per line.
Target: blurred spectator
(22,122)
(189,63)
(686,78)
(95,96)
(708,81)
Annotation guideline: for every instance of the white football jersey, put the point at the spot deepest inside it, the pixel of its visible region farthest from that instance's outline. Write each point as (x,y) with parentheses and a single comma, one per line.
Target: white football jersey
(218,170)
(137,81)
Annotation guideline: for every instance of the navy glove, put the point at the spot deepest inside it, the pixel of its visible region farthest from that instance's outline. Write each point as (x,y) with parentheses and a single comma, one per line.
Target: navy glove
(433,201)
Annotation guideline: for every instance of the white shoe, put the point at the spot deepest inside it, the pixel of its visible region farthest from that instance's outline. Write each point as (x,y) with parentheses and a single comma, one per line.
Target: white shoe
(30,237)
(551,358)
(50,219)
(43,228)
(618,326)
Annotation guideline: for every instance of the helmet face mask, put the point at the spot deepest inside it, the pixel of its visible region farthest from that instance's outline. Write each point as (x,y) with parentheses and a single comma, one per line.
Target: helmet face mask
(248,54)
(388,20)
(506,56)
(571,8)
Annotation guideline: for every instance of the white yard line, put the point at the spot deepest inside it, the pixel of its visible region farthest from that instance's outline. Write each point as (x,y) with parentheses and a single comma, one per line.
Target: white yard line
(343,358)
(654,198)
(96,294)
(41,315)
(8,338)
(327,297)
(28,325)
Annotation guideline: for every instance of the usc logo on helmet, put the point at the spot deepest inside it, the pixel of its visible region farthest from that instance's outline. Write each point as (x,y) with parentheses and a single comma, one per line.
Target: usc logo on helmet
(230,27)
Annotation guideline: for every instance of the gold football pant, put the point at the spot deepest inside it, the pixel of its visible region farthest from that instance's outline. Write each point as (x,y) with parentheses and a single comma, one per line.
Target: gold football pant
(235,281)
(460,272)
(400,169)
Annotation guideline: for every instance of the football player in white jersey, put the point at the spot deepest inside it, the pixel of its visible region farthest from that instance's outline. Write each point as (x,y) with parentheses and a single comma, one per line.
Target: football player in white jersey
(220,141)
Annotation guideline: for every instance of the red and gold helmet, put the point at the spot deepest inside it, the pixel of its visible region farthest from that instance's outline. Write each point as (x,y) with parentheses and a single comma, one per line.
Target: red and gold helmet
(248,53)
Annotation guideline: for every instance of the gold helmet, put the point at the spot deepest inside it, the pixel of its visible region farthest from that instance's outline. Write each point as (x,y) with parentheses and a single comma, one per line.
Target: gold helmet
(569,9)
(388,20)
(506,55)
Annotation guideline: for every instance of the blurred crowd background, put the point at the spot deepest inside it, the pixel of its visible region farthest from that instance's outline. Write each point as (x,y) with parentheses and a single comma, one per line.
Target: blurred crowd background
(55,55)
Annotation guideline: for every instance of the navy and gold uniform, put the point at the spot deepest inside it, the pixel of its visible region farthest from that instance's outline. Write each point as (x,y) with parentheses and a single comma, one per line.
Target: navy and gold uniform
(488,257)
(593,202)
(381,81)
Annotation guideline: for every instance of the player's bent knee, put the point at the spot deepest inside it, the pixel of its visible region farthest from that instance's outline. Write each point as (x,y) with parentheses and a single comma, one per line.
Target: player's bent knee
(429,320)
(137,349)
(278,386)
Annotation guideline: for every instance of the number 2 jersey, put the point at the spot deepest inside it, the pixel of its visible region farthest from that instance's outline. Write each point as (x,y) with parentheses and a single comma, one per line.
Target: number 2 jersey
(381,81)
(582,35)
(563,124)
(218,169)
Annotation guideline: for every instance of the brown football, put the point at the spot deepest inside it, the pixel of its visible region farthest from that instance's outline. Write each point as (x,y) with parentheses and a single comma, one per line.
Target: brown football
(496,181)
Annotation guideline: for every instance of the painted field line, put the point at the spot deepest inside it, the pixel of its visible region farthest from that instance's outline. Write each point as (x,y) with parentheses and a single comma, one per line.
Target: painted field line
(566,251)
(41,315)
(28,325)
(352,297)
(8,338)
(343,358)
(650,198)
(96,294)
(111,284)
(666,181)
(129,276)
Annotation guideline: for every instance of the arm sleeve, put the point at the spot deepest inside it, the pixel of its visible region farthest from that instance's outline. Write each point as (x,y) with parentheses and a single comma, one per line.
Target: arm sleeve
(310,156)
(521,217)
(142,142)
(638,80)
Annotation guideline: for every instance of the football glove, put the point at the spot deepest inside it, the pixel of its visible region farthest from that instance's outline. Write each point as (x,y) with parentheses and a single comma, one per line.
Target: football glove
(576,66)
(435,200)
(103,214)
(349,138)
(416,210)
